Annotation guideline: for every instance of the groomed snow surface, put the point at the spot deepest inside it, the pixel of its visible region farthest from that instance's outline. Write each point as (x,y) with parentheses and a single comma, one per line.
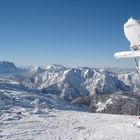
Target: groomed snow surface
(70,125)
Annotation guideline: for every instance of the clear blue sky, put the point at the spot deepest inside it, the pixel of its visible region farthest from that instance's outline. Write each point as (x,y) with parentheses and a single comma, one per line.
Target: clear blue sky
(68,32)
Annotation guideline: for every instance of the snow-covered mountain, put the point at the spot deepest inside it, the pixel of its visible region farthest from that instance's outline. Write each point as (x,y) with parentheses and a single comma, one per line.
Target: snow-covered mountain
(68,82)
(71,83)
(8,67)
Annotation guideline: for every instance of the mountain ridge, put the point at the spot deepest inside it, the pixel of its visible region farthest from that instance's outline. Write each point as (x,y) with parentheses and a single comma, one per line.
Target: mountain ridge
(68,82)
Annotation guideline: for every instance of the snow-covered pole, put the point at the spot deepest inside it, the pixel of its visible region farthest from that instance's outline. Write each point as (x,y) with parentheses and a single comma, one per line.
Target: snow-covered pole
(137,65)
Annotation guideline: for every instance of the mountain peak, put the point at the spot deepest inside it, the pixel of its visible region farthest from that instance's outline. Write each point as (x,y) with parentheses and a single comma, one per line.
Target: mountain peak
(6,67)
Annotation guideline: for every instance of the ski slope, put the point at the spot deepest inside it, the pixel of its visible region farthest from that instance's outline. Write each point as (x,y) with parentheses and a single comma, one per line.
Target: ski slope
(70,125)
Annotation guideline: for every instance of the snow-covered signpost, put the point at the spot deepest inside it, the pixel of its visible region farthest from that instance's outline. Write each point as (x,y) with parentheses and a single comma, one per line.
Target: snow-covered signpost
(132,33)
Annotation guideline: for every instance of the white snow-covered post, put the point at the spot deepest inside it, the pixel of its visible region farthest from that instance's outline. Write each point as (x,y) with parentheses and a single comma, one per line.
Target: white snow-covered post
(132,33)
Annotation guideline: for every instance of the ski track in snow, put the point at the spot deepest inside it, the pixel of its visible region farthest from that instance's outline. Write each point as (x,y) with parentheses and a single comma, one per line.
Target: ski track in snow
(71,125)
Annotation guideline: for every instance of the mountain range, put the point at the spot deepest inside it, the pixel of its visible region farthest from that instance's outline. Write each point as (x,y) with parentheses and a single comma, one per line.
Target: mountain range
(99,90)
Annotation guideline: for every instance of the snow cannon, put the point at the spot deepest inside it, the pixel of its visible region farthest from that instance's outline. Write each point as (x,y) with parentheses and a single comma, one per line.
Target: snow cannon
(132,33)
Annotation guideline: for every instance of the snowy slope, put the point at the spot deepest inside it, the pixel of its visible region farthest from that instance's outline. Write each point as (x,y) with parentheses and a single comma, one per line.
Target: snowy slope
(71,125)
(14,101)
(33,115)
